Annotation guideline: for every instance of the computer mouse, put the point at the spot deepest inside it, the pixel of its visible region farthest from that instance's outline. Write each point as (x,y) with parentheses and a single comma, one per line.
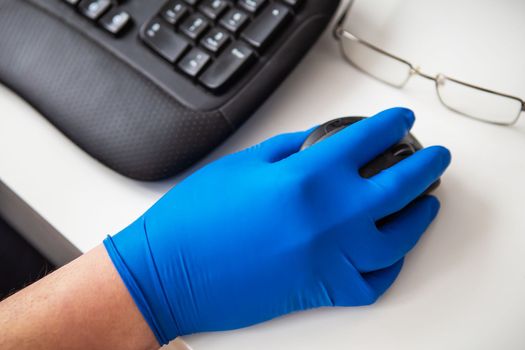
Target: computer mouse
(405,148)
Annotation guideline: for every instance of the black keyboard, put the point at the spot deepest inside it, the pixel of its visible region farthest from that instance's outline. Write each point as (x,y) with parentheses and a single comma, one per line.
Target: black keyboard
(148,87)
(209,41)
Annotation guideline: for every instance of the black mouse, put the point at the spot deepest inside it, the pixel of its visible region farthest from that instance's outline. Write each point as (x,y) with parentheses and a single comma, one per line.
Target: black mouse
(405,148)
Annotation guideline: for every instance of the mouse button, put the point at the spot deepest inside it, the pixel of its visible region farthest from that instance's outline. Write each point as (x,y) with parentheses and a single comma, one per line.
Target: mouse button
(341,123)
(411,139)
(368,171)
(335,125)
(329,130)
(380,163)
(403,150)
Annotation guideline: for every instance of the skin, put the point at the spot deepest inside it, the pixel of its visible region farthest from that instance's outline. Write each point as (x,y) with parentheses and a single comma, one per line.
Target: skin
(83,305)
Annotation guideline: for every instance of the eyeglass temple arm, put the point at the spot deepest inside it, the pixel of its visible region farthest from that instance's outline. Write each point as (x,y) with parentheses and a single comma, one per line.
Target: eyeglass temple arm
(338,29)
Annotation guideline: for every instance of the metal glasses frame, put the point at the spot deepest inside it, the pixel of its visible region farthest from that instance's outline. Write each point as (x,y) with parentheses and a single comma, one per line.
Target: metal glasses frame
(339,33)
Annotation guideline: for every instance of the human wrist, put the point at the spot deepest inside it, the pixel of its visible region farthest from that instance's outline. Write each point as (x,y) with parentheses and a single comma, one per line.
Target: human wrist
(130,254)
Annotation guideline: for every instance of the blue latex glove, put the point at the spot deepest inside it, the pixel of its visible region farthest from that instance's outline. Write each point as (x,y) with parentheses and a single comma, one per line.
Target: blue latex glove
(270,230)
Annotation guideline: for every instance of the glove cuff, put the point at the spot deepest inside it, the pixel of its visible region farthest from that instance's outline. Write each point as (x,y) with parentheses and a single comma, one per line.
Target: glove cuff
(130,253)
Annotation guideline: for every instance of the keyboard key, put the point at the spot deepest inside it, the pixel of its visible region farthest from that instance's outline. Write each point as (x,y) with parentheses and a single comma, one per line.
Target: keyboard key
(93,9)
(266,25)
(194,26)
(193,63)
(215,40)
(164,40)
(213,8)
(191,2)
(252,5)
(234,20)
(293,3)
(115,21)
(174,11)
(72,2)
(229,64)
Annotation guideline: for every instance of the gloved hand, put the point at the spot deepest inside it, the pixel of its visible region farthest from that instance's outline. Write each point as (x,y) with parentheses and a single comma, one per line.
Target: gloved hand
(271,230)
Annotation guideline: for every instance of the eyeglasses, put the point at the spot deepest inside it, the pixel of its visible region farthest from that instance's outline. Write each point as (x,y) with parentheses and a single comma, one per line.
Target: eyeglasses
(461,97)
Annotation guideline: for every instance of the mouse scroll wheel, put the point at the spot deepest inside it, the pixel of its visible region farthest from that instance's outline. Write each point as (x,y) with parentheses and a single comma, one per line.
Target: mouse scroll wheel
(333,126)
(403,150)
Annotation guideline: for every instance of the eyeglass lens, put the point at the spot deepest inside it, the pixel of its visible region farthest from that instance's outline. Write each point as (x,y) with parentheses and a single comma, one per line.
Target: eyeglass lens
(375,63)
(477,103)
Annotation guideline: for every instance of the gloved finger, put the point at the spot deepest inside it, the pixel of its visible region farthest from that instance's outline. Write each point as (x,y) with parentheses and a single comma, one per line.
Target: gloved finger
(398,235)
(282,146)
(364,140)
(400,184)
(343,291)
(380,280)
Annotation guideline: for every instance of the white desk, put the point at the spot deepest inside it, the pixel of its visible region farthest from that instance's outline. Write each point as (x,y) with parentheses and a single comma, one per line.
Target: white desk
(463,287)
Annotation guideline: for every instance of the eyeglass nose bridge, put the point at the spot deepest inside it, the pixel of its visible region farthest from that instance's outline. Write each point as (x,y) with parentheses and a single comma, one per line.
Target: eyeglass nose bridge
(416,70)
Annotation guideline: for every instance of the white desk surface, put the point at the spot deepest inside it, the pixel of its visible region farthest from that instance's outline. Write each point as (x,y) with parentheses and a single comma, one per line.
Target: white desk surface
(462,287)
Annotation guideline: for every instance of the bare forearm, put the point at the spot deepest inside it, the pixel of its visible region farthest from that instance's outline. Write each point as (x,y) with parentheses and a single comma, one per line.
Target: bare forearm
(82,305)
